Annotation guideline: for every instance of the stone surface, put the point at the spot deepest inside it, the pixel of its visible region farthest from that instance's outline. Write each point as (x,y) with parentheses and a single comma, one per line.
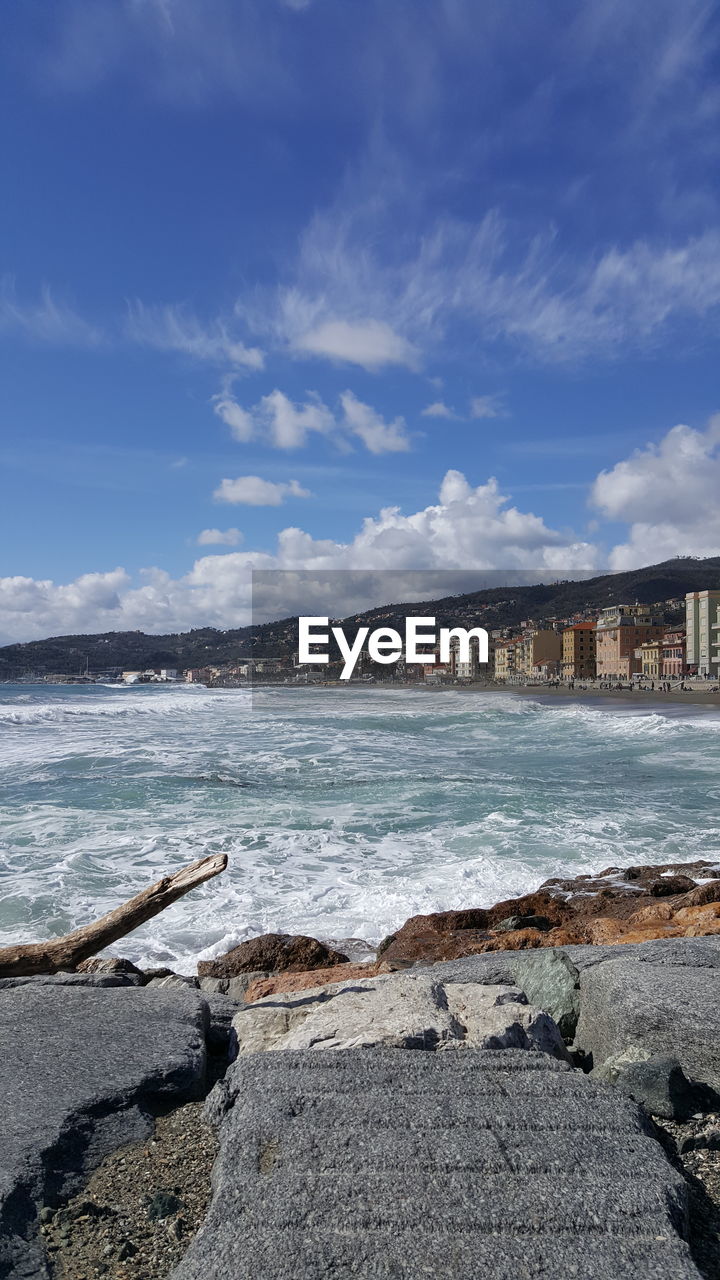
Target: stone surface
(274,953)
(79,1068)
(599,909)
(233,988)
(478,1164)
(108,964)
(670,1009)
(284,982)
(403,1011)
(74,980)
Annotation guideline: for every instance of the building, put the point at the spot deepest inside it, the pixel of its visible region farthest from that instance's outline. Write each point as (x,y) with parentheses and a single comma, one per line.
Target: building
(649,657)
(539,649)
(578,651)
(673,655)
(472,669)
(701,654)
(620,632)
(505,659)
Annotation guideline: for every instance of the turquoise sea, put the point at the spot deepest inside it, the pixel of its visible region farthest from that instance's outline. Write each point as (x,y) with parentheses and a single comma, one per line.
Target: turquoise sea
(342,811)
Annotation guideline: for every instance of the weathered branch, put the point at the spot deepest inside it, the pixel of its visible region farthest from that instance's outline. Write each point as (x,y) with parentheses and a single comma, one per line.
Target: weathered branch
(67,952)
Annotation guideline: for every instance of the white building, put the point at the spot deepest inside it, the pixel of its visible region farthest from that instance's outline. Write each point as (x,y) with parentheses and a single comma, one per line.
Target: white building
(700,615)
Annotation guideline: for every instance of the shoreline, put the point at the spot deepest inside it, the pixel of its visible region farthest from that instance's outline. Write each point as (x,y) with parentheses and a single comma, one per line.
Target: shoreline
(693,696)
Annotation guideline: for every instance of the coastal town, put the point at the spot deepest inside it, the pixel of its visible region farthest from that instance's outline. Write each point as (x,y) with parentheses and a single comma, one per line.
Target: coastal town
(659,645)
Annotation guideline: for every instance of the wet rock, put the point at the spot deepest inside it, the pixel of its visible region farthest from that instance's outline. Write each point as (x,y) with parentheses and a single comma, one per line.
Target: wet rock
(108,964)
(522,922)
(664,886)
(273,952)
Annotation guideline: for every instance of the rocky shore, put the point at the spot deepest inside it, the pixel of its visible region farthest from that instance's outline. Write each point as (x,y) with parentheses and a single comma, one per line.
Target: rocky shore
(561,1118)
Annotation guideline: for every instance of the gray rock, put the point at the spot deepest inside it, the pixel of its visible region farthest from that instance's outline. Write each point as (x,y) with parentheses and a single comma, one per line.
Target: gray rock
(669,1009)
(552,982)
(658,1083)
(79,1067)
(73,980)
(234,988)
(385,1164)
(404,1010)
(357,950)
(174,980)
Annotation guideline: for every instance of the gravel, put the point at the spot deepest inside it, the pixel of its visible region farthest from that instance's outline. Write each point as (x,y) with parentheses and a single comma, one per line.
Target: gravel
(141,1207)
(694,1148)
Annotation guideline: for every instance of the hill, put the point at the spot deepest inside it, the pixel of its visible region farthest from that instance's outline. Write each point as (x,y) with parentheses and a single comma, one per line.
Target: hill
(492,607)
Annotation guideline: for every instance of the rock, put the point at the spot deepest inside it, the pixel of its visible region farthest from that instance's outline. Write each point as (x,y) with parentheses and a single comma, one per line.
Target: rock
(233,988)
(669,1009)
(522,922)
(709,892)
(660,1085)
(284,982)
(404,1011)
(163,1204)
(80,1070)
(109,964)
(273,952)
(357,950)
(499,1165)
(551,982)
(73,980)
(664,886)
(174,980)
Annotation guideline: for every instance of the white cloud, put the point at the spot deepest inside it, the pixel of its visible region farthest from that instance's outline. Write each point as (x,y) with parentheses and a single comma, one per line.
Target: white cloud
(468,528)
(487,407)
(44,320)
(219,538)
(668,493)
(372,344)
(176,328)
(284,424)
(438,409)
(255,492)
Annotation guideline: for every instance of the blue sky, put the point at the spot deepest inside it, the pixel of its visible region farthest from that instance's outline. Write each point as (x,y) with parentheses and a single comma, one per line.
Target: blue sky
(349,284)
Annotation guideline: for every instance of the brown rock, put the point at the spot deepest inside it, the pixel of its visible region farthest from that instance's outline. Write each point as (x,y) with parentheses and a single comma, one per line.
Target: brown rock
(285,982)
(709,892)
(694,916)
(108,964)
(273,952)
(666,886)
(658,913)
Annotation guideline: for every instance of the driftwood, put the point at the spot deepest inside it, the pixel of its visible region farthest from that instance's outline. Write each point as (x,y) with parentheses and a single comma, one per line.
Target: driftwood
(67,952)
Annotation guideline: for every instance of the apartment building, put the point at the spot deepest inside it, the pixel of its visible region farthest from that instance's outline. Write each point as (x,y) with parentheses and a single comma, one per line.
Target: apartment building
(578,651)
(649,656)
(673,655)
(471,669)
(539,649)
(701,654)
(619,633)
(505,659)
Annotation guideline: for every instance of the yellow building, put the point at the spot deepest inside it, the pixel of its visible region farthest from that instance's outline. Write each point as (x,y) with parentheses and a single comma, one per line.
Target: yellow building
(505,659)
(650,656)
(541,648)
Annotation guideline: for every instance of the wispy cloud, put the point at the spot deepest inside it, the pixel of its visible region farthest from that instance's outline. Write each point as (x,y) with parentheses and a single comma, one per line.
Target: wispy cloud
(438,409)
(177,328)
(488,407)
(285,424)
(44,320)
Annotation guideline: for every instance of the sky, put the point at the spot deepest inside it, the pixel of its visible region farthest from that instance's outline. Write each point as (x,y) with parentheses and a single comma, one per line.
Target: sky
(344,284)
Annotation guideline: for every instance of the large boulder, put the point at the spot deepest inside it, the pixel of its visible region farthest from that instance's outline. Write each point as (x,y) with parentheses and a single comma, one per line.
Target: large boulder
(82,1070)
(501,1165)
(272,953)
(402,1011)
(665,1003)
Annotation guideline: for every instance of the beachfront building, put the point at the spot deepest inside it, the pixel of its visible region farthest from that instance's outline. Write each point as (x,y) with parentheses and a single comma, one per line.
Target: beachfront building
(701,655)
(649,656)
(539,653)
(505,659)
(673,655)
(578,651)
(472,669)
(620,632)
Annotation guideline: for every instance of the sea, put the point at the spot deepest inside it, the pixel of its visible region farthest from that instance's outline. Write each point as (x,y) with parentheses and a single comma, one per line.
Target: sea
(342,811)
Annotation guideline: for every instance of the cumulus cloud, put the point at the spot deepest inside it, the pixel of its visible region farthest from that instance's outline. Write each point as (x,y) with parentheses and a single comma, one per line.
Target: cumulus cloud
(438,409)
(468,528)
(370,343)
(668,493)
(285,424)
(219,538)
(487,407)
(176,328)
(252,491)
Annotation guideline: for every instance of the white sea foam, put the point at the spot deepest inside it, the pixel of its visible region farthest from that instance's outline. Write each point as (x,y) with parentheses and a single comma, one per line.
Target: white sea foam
(342,811)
